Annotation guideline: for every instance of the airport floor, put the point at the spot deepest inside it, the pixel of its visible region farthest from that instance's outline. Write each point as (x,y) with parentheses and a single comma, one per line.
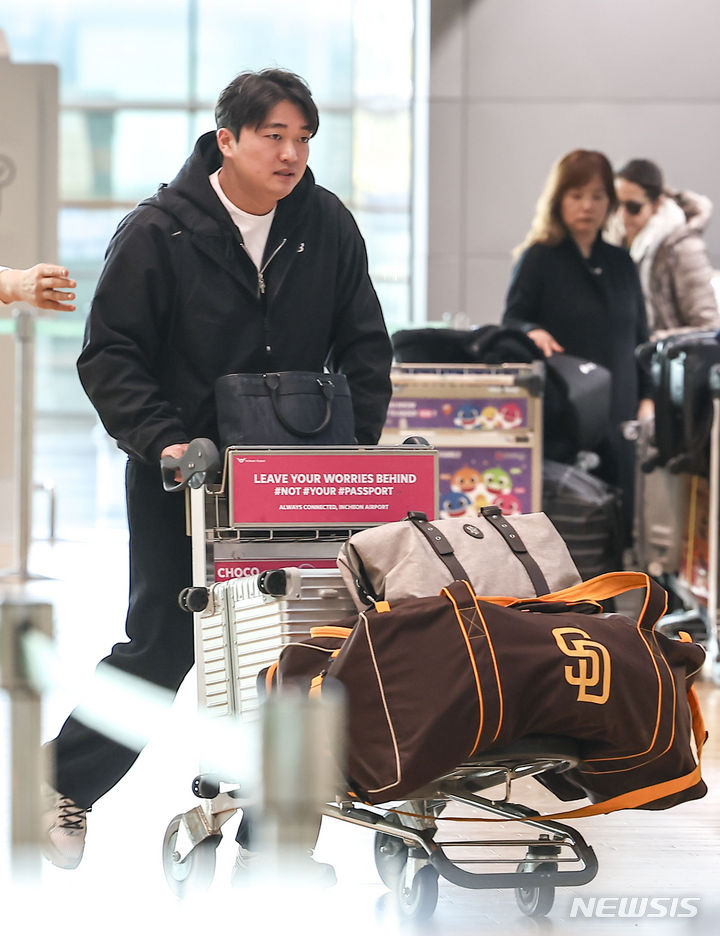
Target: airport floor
(120,885)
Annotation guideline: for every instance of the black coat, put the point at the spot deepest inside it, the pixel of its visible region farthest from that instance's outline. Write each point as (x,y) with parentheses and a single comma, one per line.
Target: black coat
(594,308)
(179,303)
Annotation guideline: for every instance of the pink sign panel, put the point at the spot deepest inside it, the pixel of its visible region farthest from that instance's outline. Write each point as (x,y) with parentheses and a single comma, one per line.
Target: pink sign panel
(226,569)
(329,489)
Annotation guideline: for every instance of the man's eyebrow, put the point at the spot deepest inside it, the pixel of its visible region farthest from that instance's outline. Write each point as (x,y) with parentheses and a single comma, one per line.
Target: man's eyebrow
(283,126)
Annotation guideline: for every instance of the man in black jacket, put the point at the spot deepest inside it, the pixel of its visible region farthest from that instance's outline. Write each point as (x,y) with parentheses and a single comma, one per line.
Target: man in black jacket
(241,264)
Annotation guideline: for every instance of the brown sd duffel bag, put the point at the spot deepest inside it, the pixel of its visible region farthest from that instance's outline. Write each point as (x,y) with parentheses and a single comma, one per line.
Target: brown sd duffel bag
(434,682)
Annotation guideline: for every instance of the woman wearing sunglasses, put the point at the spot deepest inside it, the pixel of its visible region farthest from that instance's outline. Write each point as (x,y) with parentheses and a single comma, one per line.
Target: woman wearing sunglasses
(572,291)
(663,231)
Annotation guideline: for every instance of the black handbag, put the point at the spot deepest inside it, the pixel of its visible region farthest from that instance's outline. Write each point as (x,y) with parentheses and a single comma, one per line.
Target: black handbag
(286,408)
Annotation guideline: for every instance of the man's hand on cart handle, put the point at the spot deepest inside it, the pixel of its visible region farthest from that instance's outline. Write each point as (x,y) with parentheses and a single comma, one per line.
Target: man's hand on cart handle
(186,464)
(175,452)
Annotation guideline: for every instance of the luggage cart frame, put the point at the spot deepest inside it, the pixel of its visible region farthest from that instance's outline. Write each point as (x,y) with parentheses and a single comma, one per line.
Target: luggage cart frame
(408,855)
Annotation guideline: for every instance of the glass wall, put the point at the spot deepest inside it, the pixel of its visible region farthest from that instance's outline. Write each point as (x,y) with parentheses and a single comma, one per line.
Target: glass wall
(139,80)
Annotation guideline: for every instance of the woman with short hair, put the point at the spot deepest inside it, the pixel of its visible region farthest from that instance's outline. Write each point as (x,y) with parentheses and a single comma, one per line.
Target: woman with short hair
(572,291)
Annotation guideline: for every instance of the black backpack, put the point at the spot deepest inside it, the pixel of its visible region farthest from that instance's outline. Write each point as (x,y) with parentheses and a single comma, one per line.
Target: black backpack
(576,402)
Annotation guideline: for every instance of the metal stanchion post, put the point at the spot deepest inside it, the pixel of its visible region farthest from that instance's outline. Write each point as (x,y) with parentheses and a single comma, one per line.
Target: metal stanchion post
(301,744)
(24,418)
(17,618)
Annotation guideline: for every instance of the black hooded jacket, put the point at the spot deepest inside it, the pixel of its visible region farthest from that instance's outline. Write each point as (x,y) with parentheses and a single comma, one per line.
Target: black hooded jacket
(179,303)
(594,308)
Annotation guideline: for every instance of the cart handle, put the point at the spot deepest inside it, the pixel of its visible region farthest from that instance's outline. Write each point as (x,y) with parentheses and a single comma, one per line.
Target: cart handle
(201,457)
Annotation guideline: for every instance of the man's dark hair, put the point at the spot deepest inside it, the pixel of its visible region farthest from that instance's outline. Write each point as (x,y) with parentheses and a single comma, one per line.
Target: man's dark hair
(646,174)
(250,97)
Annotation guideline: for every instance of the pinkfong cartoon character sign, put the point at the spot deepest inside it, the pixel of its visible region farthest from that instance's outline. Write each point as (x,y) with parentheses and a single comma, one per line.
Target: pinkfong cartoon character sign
(471,478)
(485,414)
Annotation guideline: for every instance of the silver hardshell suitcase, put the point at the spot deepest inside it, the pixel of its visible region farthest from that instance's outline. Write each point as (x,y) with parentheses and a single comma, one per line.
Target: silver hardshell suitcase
(249,620)
(661,502)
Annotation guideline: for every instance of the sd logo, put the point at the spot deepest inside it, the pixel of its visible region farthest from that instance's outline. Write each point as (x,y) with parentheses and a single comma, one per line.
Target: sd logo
(591,670)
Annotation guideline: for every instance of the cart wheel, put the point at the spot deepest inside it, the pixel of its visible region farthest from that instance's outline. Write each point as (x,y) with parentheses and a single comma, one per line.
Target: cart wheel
(194,875)
(390,854)
(419,901)
(536,901)
(194,598)
(206,786)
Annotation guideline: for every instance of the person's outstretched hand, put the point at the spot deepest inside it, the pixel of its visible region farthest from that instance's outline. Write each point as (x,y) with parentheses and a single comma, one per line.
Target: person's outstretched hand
(44,286)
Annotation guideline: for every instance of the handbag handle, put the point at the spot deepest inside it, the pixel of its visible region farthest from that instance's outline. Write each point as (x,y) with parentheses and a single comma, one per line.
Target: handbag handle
(612,584)
(609,585)
(327,388)
(439,544)
(495,518)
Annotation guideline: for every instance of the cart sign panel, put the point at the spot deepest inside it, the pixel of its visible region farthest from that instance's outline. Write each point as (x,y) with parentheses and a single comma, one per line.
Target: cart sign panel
(321,488)
(489,413)
(472,477)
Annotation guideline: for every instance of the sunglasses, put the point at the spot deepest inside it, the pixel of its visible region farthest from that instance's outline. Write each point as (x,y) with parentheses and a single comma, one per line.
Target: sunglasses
(632,207)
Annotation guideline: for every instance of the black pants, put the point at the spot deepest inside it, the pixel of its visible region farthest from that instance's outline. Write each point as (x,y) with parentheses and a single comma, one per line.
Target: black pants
(160,635)
(617,467)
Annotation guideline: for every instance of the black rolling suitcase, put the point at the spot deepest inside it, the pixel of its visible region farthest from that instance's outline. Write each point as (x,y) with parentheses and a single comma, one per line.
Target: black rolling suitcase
(690,398)
(587,513)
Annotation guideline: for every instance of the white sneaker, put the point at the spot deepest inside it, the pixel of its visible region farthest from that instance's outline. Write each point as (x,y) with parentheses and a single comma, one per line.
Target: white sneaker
(244,861)
(64,827)
(312,872)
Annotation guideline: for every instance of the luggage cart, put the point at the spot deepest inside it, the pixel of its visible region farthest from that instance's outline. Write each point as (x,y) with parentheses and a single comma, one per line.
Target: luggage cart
(485,421)
(714,531)
(698,581)
(678,527)
(242,620)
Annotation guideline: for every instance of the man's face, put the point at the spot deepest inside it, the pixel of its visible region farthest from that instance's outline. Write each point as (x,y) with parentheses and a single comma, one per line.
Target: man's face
(265,163)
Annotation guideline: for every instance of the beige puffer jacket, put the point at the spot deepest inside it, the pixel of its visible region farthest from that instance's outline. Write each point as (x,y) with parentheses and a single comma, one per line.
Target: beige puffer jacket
(675,270)
(673,264)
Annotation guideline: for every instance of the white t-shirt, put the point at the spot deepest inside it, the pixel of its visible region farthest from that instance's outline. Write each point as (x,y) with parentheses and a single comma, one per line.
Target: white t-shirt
(254,228)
